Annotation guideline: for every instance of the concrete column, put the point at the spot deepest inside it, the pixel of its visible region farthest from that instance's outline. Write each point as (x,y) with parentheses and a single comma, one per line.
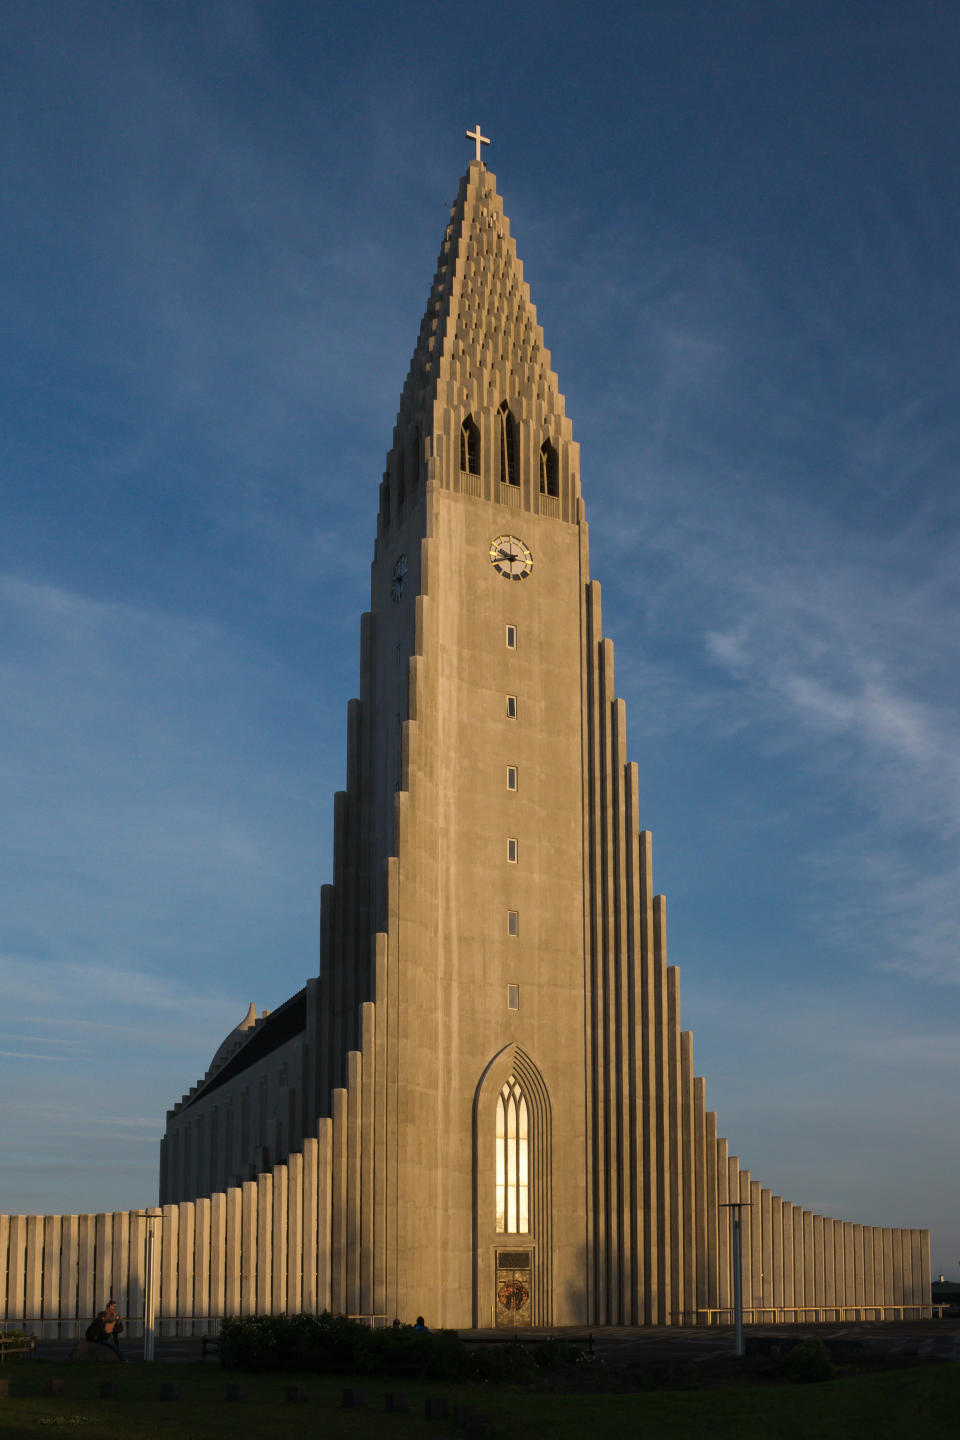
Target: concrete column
(766,1251)
(52,1227)
(354,1145)
(367,1134)
(649,1063)
(849,1283)
(294,1295)
(888,1281)
(691,1196)
(777,1252)
(186,1240)
(809,1260)
(103,1260)
(232,1270)
(69,1275)
(248,1247)
(338,1249)
(325,1213)
(308,1301)
(751,1222)
(786,1256)
(218,1253)
(876,1240)
(859,1287)
(702,1210)
(280,1187)
(711,1250)
(677,1179)
(86,1244)
(33,1273)
(869,1276)
(756,1245)
(916,1249)
(665,1160)
(136,1265)
(201,1265)
(169,1229)
(119,1280)
(819,1268)
(925,1293)
(264,1270)
(839,1267)
(829,1267)
(724,1292)
(4,1251)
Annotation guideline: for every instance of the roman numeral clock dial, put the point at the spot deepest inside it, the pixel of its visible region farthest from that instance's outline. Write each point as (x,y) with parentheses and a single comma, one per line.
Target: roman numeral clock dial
(511,558)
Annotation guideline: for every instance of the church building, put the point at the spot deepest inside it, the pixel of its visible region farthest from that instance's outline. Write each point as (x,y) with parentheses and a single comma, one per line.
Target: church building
(488,1079)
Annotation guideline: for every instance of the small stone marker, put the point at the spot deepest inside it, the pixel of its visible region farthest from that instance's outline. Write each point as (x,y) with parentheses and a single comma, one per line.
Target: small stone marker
(437,1407)
(354,1399)
(169,1391)
(109,1390)
(398,1404)
(295,1395)
(53,1387)
(236,1392)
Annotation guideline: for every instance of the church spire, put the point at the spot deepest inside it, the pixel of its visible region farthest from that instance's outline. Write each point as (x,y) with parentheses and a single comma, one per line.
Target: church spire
(480,391)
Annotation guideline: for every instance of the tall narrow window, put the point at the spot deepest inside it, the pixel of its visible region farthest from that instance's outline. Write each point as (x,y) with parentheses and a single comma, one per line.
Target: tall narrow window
(549,470)
(470,447)
(511,777)
(512,1170)
(511,637)
(512,851)
(415,459)
(508,446)
(513,922)
(511,707)
(400,486)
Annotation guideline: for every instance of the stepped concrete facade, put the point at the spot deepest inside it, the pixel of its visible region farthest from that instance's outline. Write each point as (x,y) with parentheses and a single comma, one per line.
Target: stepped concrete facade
(484,1109)
(517,1134)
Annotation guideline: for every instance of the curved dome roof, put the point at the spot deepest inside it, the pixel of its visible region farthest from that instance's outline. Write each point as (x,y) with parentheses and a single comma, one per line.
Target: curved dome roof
(235,1039)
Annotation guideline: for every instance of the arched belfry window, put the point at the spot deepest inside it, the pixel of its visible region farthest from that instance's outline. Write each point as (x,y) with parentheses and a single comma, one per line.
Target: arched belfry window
(470,447)
(549,470)
(513,1158)
(508,446)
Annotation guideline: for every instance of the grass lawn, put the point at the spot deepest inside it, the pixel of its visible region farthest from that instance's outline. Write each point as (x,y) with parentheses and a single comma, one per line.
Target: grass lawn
(922,1403)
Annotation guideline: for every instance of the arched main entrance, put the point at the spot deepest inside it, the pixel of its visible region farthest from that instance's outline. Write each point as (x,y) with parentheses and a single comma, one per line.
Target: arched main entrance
(512,1174)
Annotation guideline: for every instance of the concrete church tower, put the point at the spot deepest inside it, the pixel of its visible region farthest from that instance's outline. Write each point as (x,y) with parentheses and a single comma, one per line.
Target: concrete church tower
(488,1083)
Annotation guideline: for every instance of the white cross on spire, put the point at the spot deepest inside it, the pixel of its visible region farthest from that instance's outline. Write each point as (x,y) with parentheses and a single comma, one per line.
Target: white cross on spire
(477,138)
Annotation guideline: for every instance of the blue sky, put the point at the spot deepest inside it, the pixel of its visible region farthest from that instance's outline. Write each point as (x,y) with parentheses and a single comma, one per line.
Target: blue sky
(740,226)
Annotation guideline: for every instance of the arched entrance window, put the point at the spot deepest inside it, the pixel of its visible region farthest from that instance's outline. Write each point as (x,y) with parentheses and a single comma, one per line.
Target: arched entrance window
(512,1193)
(512,1161)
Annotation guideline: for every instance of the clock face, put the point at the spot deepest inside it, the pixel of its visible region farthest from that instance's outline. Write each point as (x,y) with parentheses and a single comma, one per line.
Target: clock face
(511,557)
(399,577)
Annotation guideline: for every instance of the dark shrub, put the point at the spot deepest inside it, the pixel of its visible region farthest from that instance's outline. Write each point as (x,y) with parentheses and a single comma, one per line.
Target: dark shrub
(333,1344)
(809,1361)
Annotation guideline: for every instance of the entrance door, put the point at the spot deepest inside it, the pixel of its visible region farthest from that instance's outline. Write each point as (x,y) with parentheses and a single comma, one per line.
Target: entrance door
(514,1288)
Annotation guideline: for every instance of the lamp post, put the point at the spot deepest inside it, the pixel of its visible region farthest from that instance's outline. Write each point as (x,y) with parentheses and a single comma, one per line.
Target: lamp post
(735,1207)
(150,1282)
